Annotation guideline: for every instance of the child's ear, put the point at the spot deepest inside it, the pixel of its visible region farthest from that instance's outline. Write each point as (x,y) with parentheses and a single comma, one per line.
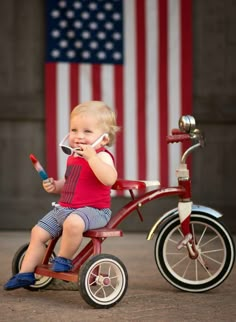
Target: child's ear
(106,139)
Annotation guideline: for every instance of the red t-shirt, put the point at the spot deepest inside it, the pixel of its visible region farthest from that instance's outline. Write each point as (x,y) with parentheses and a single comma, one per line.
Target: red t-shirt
(82,188)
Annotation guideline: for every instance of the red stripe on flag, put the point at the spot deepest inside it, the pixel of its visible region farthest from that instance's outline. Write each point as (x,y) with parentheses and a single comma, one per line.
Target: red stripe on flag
(74,85)
(119,103)
(163,94)
(141,88)
(186,60)
(51,116)
(96,82)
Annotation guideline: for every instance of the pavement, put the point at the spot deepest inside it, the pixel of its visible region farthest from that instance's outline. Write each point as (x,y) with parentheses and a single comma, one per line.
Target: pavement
(148,298)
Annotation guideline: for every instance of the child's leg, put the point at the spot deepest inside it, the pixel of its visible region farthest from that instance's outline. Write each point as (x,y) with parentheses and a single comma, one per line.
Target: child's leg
(72,234)
(36,249)
(76,223)
(33,257)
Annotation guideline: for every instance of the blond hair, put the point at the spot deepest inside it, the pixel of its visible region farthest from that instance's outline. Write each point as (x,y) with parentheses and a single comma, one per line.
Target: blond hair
(105,115)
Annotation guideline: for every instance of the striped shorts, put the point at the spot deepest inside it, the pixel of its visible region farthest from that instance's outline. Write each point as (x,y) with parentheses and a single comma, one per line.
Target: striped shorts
(93,218)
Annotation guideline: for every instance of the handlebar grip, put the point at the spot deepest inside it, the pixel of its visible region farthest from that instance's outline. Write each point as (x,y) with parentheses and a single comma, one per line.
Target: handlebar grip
(177,138)
(176,131)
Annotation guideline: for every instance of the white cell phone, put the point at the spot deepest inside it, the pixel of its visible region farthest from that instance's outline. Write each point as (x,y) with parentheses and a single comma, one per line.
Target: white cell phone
(94,143)
(99,139)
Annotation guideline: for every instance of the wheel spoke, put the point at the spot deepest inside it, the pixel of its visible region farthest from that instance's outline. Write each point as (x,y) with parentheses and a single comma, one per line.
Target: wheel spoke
(173,241)
(209,241)
(196,271)
(180,232)
(101,288)
(212,259)
(186,269)
(202,235)
(179,262)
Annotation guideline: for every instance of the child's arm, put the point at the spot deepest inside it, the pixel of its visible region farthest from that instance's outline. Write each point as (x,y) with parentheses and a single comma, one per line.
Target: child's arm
(103,168)
(53,186)
(101,163)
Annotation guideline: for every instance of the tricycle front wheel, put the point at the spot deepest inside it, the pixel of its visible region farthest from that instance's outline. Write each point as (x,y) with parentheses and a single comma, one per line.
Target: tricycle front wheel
(215,249)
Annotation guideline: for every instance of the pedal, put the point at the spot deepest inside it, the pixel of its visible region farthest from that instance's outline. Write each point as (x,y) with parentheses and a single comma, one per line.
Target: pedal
(184,241)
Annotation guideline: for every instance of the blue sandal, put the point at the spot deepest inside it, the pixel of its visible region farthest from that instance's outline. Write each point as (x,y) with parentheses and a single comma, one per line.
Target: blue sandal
(20,280)
(61,264)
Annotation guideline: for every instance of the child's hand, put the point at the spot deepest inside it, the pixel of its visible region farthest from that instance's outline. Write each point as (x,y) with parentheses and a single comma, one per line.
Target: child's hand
(49,185)
(86,151)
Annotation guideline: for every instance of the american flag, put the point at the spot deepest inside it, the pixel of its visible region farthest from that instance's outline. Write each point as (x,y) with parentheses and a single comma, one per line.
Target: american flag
(135,55)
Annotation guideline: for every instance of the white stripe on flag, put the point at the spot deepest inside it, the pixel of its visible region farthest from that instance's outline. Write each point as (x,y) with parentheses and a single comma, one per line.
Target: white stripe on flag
(152,115)
(130,104)
(107,83)
(63,111)
(85,81)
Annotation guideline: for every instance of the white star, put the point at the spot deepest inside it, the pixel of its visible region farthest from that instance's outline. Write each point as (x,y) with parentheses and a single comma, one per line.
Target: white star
(55,13)
(93,44)
(77,5)
(71,53)
(116,36)
(101,55)
(63,43)
(116,16)
(101,35)
(71,34)
(109,45)
(77,24)
(86,54)
(85,34)
(117,55)
(108,25)
(85,15)
(62,4)
(55,33)
(93,25)
(55,53)
(70,14)
(63,23)
(108,6)
(78,44)
(100,16)
(93,6)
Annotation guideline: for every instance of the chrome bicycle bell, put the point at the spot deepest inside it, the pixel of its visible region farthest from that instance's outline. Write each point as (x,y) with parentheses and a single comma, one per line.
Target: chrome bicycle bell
(187,123)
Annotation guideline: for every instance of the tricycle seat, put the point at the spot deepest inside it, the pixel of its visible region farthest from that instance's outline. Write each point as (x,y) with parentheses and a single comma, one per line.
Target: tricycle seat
(103,232)
(122,184)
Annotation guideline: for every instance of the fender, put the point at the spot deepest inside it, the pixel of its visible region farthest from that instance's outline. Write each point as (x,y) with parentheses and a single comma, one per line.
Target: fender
(173,212)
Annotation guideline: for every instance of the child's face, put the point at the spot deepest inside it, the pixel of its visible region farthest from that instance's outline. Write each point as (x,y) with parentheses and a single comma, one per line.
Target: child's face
(84,129)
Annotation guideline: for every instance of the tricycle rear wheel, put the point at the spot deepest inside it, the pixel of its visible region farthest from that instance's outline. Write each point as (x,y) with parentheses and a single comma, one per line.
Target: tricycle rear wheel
(103,281)
(41,281)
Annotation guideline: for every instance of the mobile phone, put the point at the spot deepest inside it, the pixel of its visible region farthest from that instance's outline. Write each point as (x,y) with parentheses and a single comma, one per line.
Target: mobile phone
(99,139)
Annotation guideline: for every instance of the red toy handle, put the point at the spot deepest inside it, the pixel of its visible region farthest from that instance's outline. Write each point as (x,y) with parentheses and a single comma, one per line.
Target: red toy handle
(177,138)
(176,131)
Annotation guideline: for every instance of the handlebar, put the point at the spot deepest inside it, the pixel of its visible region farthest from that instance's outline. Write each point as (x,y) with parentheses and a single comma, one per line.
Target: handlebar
(178,138)
(187,132)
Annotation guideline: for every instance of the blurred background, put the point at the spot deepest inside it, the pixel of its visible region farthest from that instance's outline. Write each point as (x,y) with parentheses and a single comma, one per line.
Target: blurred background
(208,90)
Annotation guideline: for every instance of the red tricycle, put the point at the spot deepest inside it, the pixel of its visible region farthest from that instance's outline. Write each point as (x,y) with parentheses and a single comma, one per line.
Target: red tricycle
(193,251)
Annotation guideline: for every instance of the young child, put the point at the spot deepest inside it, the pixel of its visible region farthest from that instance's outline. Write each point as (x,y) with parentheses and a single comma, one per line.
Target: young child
(84,192)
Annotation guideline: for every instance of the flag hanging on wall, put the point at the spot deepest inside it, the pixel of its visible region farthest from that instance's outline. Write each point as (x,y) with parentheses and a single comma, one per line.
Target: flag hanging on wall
(135,55)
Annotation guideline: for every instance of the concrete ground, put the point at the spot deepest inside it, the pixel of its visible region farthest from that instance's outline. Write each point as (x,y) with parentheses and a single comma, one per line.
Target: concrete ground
(149,297)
